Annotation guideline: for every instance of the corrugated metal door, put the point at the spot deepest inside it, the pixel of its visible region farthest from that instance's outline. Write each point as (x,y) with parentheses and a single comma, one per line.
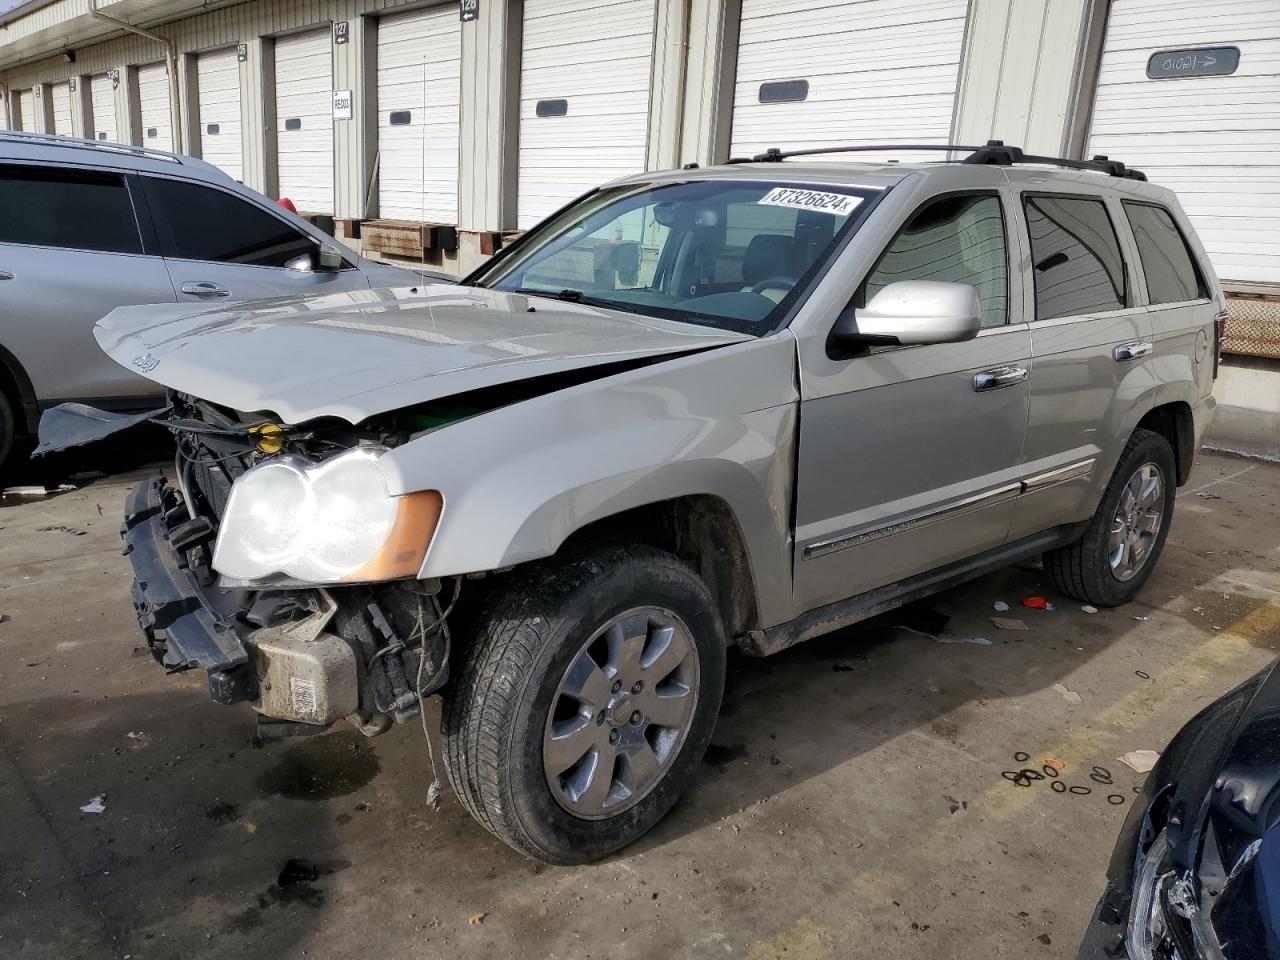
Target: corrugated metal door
(1213,139)
(153,98)
(218,78)
(103,97)
(26,118)
(419,86)
(817,73)
(584,98)
(304,119)
(60,106)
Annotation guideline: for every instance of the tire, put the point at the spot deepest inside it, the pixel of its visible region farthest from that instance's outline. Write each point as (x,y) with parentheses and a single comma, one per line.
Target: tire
(8,429)
(1084,570)
(508,699)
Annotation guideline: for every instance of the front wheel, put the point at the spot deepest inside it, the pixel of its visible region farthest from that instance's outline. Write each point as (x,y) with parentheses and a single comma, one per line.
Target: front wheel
(585,702)
(1118,552)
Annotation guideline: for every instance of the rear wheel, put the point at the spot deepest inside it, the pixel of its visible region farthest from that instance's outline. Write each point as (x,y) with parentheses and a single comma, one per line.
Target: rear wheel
(8,429)
(1118,552)
(585,702)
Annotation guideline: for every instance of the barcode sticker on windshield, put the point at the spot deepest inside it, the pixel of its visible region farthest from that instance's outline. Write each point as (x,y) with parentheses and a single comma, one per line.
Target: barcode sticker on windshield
(837,203)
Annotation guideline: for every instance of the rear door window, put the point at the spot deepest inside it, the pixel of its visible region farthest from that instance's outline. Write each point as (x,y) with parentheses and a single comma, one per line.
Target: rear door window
(71,209)
(1075,255)
(960,239)
(200,223)
(1167,262)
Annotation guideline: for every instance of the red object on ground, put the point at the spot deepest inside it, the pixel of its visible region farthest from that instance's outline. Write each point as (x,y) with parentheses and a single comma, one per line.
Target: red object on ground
(287,204)
(1039,603)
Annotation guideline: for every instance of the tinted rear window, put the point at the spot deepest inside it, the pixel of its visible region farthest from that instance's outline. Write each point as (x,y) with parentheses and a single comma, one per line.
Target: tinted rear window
(1076,257)
(1170,269)
(71,209)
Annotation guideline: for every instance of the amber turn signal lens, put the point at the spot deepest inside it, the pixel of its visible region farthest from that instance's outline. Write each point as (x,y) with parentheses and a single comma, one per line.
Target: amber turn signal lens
(406,546)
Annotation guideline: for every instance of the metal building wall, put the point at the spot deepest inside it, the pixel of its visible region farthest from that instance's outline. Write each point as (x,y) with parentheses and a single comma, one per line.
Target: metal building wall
(1023,63)
(254,24)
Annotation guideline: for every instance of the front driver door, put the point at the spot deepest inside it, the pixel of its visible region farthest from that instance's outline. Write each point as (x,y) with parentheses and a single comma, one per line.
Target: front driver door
(220,247)
(909,456)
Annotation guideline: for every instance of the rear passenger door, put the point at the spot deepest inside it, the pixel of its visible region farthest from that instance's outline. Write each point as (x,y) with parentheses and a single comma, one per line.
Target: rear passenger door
(220,247)
(71,251)
(1180,308)
(1089,334)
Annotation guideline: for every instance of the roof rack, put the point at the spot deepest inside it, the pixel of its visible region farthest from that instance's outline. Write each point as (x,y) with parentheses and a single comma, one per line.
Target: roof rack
(81,143)
(993,152)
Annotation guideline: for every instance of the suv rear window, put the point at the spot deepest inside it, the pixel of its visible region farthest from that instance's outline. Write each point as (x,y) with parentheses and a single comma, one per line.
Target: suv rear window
(1170,269)
(1076,257)
(72,209)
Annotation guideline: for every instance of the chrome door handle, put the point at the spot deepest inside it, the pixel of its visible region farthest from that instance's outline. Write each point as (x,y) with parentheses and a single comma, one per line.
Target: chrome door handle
(5,275)
(1131,350)
(205,290)
(999,377)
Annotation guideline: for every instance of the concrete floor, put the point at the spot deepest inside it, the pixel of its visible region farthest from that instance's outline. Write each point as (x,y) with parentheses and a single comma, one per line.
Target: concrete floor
(852,805)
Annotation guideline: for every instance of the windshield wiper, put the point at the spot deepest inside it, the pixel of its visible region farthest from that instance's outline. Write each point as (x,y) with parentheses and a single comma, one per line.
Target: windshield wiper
(577,296)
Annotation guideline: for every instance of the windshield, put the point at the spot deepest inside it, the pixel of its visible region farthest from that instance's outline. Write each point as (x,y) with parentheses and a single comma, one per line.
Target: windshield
(726,254)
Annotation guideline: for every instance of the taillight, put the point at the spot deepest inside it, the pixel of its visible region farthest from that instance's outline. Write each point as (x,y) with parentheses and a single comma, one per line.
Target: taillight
(1219,332)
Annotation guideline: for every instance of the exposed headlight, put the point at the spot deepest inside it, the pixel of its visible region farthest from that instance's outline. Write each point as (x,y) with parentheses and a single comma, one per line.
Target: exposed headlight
(1148,934)
(331,522)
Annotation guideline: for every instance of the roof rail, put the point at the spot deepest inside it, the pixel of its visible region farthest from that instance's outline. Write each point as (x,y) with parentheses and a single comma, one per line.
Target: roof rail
(995,152)
(992,152)
(80,143)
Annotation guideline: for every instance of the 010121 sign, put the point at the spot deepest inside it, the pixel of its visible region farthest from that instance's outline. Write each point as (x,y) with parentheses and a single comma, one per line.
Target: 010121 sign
(1193,62)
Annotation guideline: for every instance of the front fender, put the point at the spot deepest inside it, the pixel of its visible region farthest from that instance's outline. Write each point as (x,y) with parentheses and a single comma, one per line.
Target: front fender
(519,480)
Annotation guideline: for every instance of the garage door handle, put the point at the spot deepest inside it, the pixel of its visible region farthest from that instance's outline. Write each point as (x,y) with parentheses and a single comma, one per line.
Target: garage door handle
(1131,350)
(999,377)
(5,275)
(205,290)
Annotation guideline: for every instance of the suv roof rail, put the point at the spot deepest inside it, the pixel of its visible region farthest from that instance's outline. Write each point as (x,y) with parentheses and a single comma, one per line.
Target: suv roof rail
(992,152)
(81,143)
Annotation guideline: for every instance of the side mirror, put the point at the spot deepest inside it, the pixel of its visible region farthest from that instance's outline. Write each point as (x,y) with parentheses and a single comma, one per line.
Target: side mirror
(913,312)
(329,258)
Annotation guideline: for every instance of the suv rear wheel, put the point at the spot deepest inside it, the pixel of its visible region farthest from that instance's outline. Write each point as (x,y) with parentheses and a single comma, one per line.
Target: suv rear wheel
(1120,547)
(586,700)
(7,428)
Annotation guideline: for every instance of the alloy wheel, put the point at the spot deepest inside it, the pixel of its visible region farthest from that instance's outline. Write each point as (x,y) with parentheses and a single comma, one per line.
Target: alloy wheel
(621,713)
(1136,522)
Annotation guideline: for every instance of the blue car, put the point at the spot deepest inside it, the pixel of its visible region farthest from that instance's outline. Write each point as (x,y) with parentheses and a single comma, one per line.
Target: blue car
(1196,872)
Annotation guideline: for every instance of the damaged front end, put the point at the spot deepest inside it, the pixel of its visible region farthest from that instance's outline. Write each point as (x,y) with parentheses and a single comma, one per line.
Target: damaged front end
(365,648)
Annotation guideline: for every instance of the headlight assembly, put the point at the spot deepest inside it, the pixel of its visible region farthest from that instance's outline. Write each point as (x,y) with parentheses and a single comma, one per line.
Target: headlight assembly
(326,523)
(1148,936)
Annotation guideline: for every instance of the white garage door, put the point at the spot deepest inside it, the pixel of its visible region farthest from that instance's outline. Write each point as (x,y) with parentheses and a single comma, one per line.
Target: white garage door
(103,98)
(60,106)
(26,118)
(1213,139)
(304,120)
(419,78)
(584,98)
(818,73)
(153,98)
(218,79)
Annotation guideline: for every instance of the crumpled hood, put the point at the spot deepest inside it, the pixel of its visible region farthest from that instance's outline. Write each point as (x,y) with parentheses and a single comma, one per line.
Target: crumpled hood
(363,352)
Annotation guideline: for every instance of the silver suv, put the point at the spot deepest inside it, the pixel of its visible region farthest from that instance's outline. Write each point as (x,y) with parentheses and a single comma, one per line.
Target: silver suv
(739,405)
(86,227)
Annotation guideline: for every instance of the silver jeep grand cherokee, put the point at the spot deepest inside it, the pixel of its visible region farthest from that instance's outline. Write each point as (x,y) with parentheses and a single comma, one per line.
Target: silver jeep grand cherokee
(739,405)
